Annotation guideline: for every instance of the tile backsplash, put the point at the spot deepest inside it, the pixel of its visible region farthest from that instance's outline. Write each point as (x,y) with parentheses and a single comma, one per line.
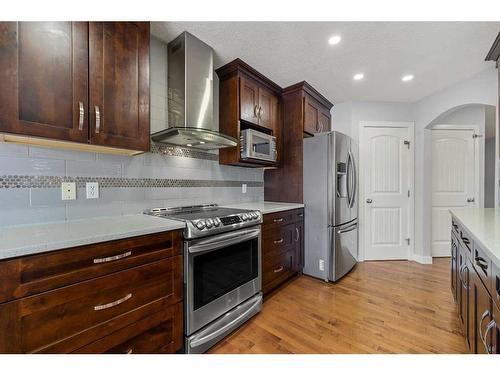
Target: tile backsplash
(30,180)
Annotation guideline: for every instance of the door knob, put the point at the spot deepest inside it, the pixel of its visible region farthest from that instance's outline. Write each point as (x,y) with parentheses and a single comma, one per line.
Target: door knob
(470,200)
(369,201)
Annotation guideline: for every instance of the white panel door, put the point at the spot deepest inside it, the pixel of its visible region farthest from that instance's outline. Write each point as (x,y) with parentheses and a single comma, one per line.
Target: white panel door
(452,182)
(386,189)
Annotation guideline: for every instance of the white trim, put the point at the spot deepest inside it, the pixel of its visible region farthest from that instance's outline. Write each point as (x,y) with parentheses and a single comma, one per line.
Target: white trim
(422,259)
(361,207)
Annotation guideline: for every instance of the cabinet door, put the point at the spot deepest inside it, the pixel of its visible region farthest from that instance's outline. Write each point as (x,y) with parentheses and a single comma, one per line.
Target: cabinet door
(324,120)
(454,263)
(495,334)
(119,84)
(249,100)
(311,116)
(44,79)
(268,109)
(299,245)
(481,315)
(464,286)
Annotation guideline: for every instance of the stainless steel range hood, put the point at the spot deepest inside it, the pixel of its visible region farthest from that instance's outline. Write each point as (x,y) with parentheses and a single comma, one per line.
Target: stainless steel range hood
(190,97)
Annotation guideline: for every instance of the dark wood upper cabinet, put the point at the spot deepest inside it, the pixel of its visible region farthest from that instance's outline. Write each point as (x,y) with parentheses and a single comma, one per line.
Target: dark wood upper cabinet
(44,75)
(119,84)
(76,81)
(305,112)
(247,99)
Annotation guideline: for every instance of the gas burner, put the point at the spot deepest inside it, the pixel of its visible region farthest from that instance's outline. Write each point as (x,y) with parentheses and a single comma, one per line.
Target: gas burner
(205,220)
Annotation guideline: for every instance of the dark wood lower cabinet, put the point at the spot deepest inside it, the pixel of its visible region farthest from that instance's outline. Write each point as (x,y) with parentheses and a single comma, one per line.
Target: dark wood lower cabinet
(477,304)
(121,296)
(282,247)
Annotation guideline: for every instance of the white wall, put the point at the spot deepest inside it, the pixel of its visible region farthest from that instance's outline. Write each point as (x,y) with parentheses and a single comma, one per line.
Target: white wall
(479,89)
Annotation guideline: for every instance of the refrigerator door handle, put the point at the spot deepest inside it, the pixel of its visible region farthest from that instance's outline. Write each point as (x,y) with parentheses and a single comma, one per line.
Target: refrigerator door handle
(352,169)
(348,229)
(349,178)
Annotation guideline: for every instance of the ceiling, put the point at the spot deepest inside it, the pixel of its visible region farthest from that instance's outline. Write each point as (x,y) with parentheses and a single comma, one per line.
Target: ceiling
(436,53)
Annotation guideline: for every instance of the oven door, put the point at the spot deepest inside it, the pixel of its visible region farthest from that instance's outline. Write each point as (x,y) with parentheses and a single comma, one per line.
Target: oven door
(221,272)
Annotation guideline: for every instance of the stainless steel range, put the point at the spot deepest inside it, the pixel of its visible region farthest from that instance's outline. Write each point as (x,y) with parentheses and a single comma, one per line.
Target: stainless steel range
(222,270)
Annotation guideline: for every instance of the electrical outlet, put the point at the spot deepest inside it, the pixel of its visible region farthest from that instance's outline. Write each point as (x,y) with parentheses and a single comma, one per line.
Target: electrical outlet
(244,188)
(321,265)
(92,189)
(68,190)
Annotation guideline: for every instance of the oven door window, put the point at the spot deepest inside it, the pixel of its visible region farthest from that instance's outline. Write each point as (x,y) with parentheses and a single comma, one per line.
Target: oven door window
(261,145)
(220,271)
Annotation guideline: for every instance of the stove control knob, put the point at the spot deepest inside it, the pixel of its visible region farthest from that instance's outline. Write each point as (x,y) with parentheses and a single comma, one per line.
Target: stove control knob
(216,221)
(255,215)
(209,223)
(200,224)
(244,217)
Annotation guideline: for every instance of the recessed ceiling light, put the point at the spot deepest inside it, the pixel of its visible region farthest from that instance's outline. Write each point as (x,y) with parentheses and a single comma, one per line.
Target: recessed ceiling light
(358,76)
(407,78)
(202,143)
(189,145)
(335,39)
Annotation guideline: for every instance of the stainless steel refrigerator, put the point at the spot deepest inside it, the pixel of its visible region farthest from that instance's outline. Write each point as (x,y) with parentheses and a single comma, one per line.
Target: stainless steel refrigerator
(331,205)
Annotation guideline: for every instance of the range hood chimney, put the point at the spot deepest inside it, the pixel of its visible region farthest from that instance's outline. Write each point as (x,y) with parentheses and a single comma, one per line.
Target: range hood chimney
(190,97)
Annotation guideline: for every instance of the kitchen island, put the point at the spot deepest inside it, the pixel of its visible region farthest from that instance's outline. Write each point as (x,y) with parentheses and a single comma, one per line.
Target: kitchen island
(475,276)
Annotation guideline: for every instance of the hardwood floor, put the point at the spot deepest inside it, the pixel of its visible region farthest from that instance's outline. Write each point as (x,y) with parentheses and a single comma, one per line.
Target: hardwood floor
(380,307)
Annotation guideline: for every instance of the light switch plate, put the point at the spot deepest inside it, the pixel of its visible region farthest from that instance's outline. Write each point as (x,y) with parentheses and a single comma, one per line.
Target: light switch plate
(92,189)
(244,188)
(68,191)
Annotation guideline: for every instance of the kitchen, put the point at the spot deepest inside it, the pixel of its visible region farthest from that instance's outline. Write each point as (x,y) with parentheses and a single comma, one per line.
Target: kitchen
(166,191)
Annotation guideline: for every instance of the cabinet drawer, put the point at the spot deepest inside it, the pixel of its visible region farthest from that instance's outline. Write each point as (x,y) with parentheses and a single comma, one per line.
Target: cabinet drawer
(277,219)
(158,333)
(482,265)
(277,239)
(466,239)
(88,309)
(276,270)
(34,274)
(495,285)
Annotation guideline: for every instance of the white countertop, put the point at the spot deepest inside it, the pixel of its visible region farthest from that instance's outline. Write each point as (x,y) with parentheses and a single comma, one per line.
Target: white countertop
(484,226)
(37,238)
(266,207)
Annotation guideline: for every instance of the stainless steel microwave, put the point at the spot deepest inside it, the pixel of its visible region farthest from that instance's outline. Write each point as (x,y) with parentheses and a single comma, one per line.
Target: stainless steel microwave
(257,145)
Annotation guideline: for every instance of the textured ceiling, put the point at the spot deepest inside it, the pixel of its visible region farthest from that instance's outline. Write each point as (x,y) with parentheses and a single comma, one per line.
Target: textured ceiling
(437,53)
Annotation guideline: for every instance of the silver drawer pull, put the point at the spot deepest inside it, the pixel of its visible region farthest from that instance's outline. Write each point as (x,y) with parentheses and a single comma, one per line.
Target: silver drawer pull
(279,241)
(81,111)
(97,119)
(129,351)
(278,269)
(112,304)
(112,258)
(278,220)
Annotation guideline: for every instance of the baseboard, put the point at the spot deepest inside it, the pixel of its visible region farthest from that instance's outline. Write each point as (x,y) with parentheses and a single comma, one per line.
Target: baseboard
(422,259)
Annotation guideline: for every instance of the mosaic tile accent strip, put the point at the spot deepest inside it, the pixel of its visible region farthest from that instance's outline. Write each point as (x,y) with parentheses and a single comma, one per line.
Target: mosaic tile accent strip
(171,150)
(15,181)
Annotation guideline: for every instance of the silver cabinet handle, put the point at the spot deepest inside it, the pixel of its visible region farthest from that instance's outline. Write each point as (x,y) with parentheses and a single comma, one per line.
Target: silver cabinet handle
(490,325)
(278,220)
(261,112)
(298,234)
(485,314)
(112,258)
(129,351)
(470,200)
(256,111)
(317,126)
(112,304)
(81,111)
(279,269)
(369,200)
(97,119)
(279,241)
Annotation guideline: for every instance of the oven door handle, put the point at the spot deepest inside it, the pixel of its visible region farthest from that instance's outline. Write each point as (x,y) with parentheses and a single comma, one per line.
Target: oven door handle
(223,240)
